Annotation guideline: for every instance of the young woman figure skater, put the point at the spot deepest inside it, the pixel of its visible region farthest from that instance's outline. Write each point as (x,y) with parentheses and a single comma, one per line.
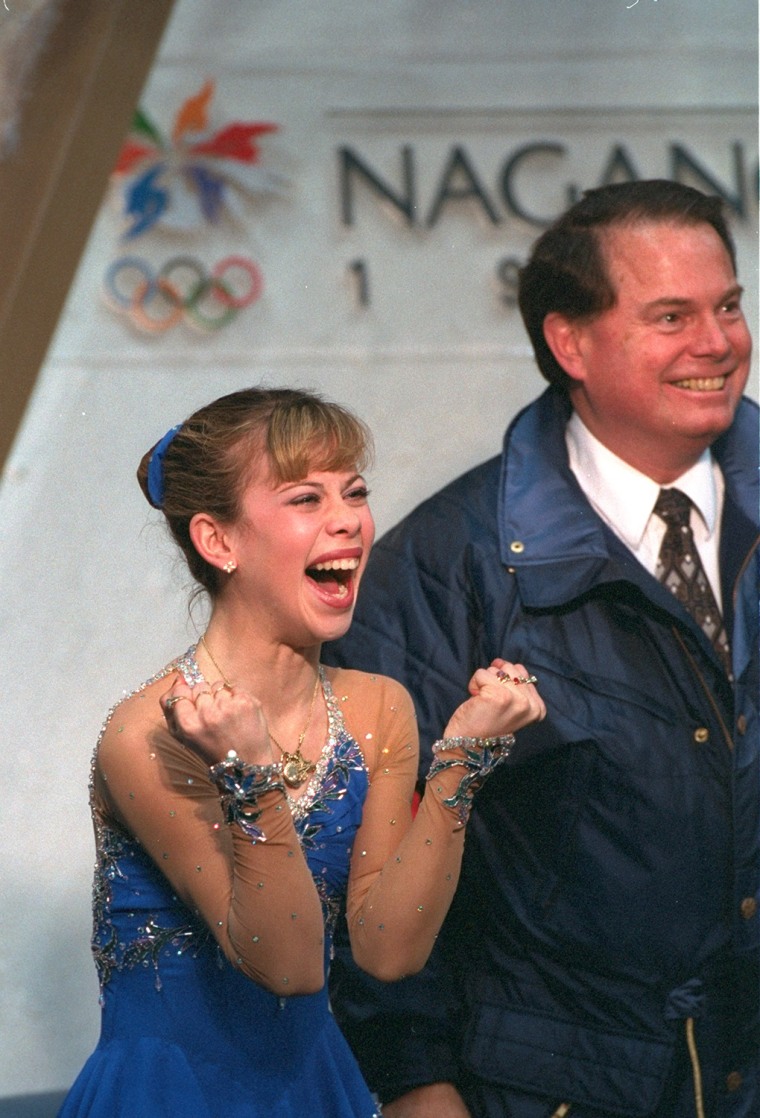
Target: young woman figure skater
(244,792)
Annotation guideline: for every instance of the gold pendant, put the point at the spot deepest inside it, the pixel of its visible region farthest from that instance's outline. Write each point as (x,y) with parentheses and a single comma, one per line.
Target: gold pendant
(295,768)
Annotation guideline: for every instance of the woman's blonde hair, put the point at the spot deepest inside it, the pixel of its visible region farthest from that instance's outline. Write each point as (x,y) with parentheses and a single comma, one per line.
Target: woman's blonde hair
(207,462)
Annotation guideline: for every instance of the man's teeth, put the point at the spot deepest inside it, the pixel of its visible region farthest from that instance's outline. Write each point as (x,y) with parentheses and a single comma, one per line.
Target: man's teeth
(337,565)
(702,384)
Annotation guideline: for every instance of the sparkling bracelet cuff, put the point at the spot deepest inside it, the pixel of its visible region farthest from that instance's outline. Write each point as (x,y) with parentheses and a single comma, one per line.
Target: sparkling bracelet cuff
(477,745)
(478,756)
(240,787)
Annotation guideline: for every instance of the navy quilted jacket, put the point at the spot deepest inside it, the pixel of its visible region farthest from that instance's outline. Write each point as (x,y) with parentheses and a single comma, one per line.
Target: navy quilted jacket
(610,886)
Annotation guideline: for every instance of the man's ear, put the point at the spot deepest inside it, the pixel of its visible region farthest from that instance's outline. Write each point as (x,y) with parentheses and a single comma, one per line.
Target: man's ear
(563,337)
(211,541)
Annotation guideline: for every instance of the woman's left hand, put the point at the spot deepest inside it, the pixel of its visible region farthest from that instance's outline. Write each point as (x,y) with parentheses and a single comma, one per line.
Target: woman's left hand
(503,700)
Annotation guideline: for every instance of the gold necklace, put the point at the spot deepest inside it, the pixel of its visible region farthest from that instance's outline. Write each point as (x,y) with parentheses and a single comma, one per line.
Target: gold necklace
(213,661)
(295,767)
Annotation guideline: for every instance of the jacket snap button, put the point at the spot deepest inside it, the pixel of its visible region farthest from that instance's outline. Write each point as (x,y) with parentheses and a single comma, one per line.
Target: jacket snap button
(517,546)
(733,1081)
(741,724)
(701,734)
(748,907)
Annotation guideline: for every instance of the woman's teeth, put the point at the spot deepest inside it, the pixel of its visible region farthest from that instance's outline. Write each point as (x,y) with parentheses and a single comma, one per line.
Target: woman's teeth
(337,565)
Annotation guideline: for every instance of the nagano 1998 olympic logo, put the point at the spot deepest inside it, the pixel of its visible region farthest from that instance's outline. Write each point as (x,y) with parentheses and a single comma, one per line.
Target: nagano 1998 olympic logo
(175,185)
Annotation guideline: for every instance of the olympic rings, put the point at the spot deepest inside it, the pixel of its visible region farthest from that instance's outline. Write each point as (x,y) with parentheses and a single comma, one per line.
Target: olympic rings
(182,290)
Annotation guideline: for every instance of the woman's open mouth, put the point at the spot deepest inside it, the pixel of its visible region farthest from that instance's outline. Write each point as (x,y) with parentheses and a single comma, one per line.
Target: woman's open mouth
(335,577)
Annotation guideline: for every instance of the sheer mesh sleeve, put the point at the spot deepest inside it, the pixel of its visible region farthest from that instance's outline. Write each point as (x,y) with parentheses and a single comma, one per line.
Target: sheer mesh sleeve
(258,898)
(404,870)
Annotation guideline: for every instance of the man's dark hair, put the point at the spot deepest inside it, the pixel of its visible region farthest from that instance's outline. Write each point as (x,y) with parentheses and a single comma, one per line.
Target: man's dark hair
(567,270)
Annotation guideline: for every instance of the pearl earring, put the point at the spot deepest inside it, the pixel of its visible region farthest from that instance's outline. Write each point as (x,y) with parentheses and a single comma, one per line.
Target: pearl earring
(230,566)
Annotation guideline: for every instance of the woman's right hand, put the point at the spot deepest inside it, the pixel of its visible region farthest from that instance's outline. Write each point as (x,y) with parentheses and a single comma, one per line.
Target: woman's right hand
(503,700)
(213,719)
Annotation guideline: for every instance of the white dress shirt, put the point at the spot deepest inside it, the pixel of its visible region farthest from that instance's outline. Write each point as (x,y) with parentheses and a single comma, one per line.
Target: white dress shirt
(625,499)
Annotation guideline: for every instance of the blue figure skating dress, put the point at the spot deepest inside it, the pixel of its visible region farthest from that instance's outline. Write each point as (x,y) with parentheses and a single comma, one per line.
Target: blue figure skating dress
(185,1031)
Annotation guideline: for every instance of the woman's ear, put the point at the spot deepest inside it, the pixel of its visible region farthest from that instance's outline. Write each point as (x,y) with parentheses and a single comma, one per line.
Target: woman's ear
(563,337)
(211,541)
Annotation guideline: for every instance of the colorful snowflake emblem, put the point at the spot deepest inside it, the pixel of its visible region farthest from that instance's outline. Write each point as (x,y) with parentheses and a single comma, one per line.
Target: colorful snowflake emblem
(197,175)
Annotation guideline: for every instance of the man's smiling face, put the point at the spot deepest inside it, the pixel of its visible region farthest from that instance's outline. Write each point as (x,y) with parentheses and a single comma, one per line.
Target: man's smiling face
(659,375)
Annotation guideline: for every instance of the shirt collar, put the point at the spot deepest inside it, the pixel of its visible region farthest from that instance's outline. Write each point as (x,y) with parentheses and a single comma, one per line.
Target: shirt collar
(623,495)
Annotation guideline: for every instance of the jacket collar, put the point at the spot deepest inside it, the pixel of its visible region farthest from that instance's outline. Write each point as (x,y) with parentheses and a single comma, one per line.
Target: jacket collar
(549,534)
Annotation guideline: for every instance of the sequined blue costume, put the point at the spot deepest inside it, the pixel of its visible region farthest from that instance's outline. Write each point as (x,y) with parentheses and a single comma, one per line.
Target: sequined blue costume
(184,1033)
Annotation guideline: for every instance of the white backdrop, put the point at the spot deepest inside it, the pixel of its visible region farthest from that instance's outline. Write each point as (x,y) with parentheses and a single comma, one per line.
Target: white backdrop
(94,598)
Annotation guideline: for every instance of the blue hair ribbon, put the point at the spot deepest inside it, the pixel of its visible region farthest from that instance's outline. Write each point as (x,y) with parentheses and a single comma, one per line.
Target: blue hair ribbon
(156,468)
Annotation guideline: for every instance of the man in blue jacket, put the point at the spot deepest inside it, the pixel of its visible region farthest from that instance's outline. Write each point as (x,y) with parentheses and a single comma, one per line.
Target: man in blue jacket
(601,956)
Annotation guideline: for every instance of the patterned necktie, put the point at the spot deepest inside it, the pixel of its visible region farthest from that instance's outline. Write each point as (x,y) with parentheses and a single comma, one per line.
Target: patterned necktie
(680,569)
